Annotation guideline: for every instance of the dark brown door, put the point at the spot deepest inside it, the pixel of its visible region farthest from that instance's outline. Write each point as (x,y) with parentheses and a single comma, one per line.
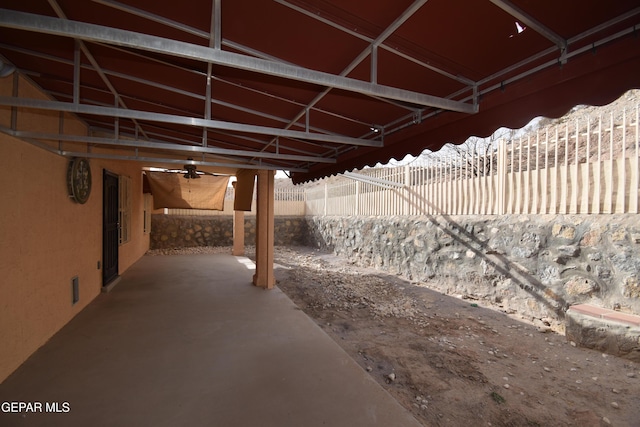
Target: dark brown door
(109,228)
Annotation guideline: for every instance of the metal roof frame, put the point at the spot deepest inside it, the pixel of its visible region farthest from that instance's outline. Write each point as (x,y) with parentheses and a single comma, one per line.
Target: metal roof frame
(97,33)
(161,145)
(565,54)
(136,157)
(78,108)
(242,89)
(380,40)
(175,90)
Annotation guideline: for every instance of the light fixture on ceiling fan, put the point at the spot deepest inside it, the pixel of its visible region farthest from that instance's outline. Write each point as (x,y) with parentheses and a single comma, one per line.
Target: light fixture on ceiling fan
(191,172)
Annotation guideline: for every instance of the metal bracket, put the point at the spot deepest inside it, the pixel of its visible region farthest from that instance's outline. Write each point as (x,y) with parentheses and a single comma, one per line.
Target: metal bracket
(417,117)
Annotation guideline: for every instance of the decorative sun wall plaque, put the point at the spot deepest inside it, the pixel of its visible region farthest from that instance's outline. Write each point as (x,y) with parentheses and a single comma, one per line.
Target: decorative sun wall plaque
(79,179)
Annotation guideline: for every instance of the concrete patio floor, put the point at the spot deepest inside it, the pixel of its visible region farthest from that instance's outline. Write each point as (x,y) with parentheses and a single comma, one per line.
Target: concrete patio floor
(187,340)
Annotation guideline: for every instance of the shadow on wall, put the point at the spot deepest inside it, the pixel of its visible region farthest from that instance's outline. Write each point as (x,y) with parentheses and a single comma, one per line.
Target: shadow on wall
(539,264)
(523,278)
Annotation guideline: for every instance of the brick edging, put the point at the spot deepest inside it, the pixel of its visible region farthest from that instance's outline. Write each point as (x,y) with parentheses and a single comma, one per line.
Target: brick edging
(606,314)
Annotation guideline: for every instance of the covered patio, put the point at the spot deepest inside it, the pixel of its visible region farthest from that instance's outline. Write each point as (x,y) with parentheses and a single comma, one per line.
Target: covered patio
(110,89)
(187,340)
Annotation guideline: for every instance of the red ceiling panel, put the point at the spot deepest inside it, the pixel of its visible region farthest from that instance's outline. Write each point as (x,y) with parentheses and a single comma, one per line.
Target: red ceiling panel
(569,19)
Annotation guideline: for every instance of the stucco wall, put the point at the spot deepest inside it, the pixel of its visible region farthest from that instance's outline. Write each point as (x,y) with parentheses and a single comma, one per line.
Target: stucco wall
(46,239)
(535,265)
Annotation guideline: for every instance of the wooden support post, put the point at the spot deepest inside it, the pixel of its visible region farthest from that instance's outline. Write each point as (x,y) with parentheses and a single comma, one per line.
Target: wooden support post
(238,231)
(264,231)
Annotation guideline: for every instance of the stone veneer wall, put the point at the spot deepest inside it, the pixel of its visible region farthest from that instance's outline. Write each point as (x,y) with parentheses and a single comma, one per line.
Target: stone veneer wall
(173,231)
(534,265)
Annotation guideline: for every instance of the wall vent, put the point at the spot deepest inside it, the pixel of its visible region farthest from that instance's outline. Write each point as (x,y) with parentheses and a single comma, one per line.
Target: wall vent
(75,290)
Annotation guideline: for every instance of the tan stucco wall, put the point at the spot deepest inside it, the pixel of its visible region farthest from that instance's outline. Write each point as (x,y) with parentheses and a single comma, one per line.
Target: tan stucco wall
(46,239)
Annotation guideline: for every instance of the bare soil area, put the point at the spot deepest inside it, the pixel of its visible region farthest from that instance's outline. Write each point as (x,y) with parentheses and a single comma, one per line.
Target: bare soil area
(454,362)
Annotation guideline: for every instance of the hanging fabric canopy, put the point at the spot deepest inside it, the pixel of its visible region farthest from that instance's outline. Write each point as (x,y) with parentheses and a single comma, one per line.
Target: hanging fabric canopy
(171,190)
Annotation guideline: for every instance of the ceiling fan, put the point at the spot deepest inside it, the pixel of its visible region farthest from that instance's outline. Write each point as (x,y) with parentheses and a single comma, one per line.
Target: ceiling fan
(189,171)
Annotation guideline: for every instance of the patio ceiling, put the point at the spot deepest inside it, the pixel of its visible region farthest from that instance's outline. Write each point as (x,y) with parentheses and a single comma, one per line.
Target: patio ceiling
(315,87)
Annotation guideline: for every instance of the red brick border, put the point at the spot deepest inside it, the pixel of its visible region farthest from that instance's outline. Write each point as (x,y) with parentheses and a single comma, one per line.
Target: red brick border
(606,314)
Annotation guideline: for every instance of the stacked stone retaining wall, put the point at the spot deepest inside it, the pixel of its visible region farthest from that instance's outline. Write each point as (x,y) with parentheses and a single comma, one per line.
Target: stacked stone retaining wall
(173,231)
(534,265)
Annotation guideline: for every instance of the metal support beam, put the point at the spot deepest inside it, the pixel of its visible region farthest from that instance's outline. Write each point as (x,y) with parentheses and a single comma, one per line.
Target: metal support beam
(186,93)
(553,62)
(160,160)
(361,57)
(214,42)
(207,113)
(58,10)
(186,28)
(156,145)
(163,138)
(76,73)
(180,120)
(227,43)
(532,23)
(98,33)
(153,17)
(374,64)
(217,24)
(172,89)
(374,43)
(381,44)
(150,161)
(482,89)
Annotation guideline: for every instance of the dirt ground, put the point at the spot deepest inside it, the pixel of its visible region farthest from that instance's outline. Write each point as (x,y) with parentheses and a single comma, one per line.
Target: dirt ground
(453,362)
